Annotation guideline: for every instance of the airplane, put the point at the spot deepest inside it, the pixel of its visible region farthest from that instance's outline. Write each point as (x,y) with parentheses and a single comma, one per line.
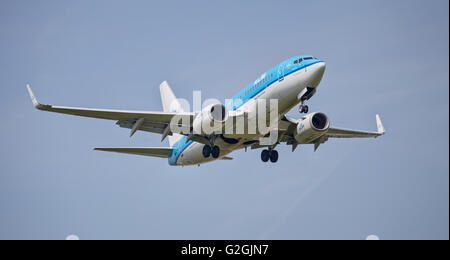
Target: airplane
(292,82)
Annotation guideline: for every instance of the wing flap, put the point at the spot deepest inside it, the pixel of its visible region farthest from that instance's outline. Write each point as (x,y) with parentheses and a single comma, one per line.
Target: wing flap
(148,126)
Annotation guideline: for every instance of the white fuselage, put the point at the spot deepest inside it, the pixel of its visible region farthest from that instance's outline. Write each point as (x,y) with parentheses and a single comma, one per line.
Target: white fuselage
(287,91)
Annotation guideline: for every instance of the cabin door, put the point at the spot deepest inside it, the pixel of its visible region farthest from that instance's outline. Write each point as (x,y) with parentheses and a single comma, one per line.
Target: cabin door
(281,72)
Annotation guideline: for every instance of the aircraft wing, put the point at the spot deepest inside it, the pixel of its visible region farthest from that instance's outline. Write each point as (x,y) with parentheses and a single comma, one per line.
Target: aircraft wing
(145,151)
(347,133)
(155,122)
(287,127)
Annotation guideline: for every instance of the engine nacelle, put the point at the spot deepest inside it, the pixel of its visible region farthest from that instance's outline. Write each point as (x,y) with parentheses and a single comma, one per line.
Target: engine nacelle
(311,127)
(211,119)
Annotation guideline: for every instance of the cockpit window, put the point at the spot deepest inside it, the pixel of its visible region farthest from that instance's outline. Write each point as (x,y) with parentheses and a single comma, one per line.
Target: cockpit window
(302,59)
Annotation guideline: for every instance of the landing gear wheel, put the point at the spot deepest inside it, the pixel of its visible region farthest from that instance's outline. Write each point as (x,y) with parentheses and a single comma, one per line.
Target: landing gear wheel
(274,156)
(206,151)
(304,109)
(265,155)
(215,152)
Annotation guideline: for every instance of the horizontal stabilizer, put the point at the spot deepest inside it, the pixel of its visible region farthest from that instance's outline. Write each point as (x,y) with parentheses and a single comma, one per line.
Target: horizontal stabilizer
(145,151)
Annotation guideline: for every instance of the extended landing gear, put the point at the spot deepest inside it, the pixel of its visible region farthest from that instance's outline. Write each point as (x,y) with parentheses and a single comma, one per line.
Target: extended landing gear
(207,151)
(271,155)
(213,151)
(303,109)
(306,95)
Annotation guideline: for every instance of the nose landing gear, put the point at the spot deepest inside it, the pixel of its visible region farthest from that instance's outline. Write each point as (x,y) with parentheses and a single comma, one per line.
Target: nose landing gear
(303,108)
(306,96)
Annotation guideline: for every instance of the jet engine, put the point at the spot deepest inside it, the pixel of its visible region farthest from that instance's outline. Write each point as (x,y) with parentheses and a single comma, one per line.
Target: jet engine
(311,127)
(211,119)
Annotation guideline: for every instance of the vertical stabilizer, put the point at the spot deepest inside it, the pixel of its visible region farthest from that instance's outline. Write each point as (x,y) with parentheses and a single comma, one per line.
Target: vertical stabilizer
(170,105)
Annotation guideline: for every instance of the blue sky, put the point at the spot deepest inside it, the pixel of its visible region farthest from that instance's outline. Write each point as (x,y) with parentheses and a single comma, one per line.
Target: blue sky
(386,57)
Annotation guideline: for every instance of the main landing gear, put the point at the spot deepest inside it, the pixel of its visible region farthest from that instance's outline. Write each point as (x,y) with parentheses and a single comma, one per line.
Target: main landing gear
(213,151)
(270,154)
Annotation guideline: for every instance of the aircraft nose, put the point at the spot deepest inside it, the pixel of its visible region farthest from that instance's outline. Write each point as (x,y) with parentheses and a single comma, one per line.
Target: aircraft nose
(321,67)
(317,73)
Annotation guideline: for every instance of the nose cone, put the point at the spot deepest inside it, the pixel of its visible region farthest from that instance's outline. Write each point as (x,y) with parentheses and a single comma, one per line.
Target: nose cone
(317,72)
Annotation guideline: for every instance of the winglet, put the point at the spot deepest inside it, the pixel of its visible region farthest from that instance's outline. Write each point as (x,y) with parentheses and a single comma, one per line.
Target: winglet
(380,126)
(33,97)
(36,103)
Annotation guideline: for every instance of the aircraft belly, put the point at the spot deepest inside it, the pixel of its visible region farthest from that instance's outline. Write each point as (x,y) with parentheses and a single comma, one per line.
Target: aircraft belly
(193,155)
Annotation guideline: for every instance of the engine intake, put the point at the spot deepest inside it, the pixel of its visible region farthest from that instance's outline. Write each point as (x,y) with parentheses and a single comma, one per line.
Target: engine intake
(218,113)
(319,121)
(311,127)
(211,120)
